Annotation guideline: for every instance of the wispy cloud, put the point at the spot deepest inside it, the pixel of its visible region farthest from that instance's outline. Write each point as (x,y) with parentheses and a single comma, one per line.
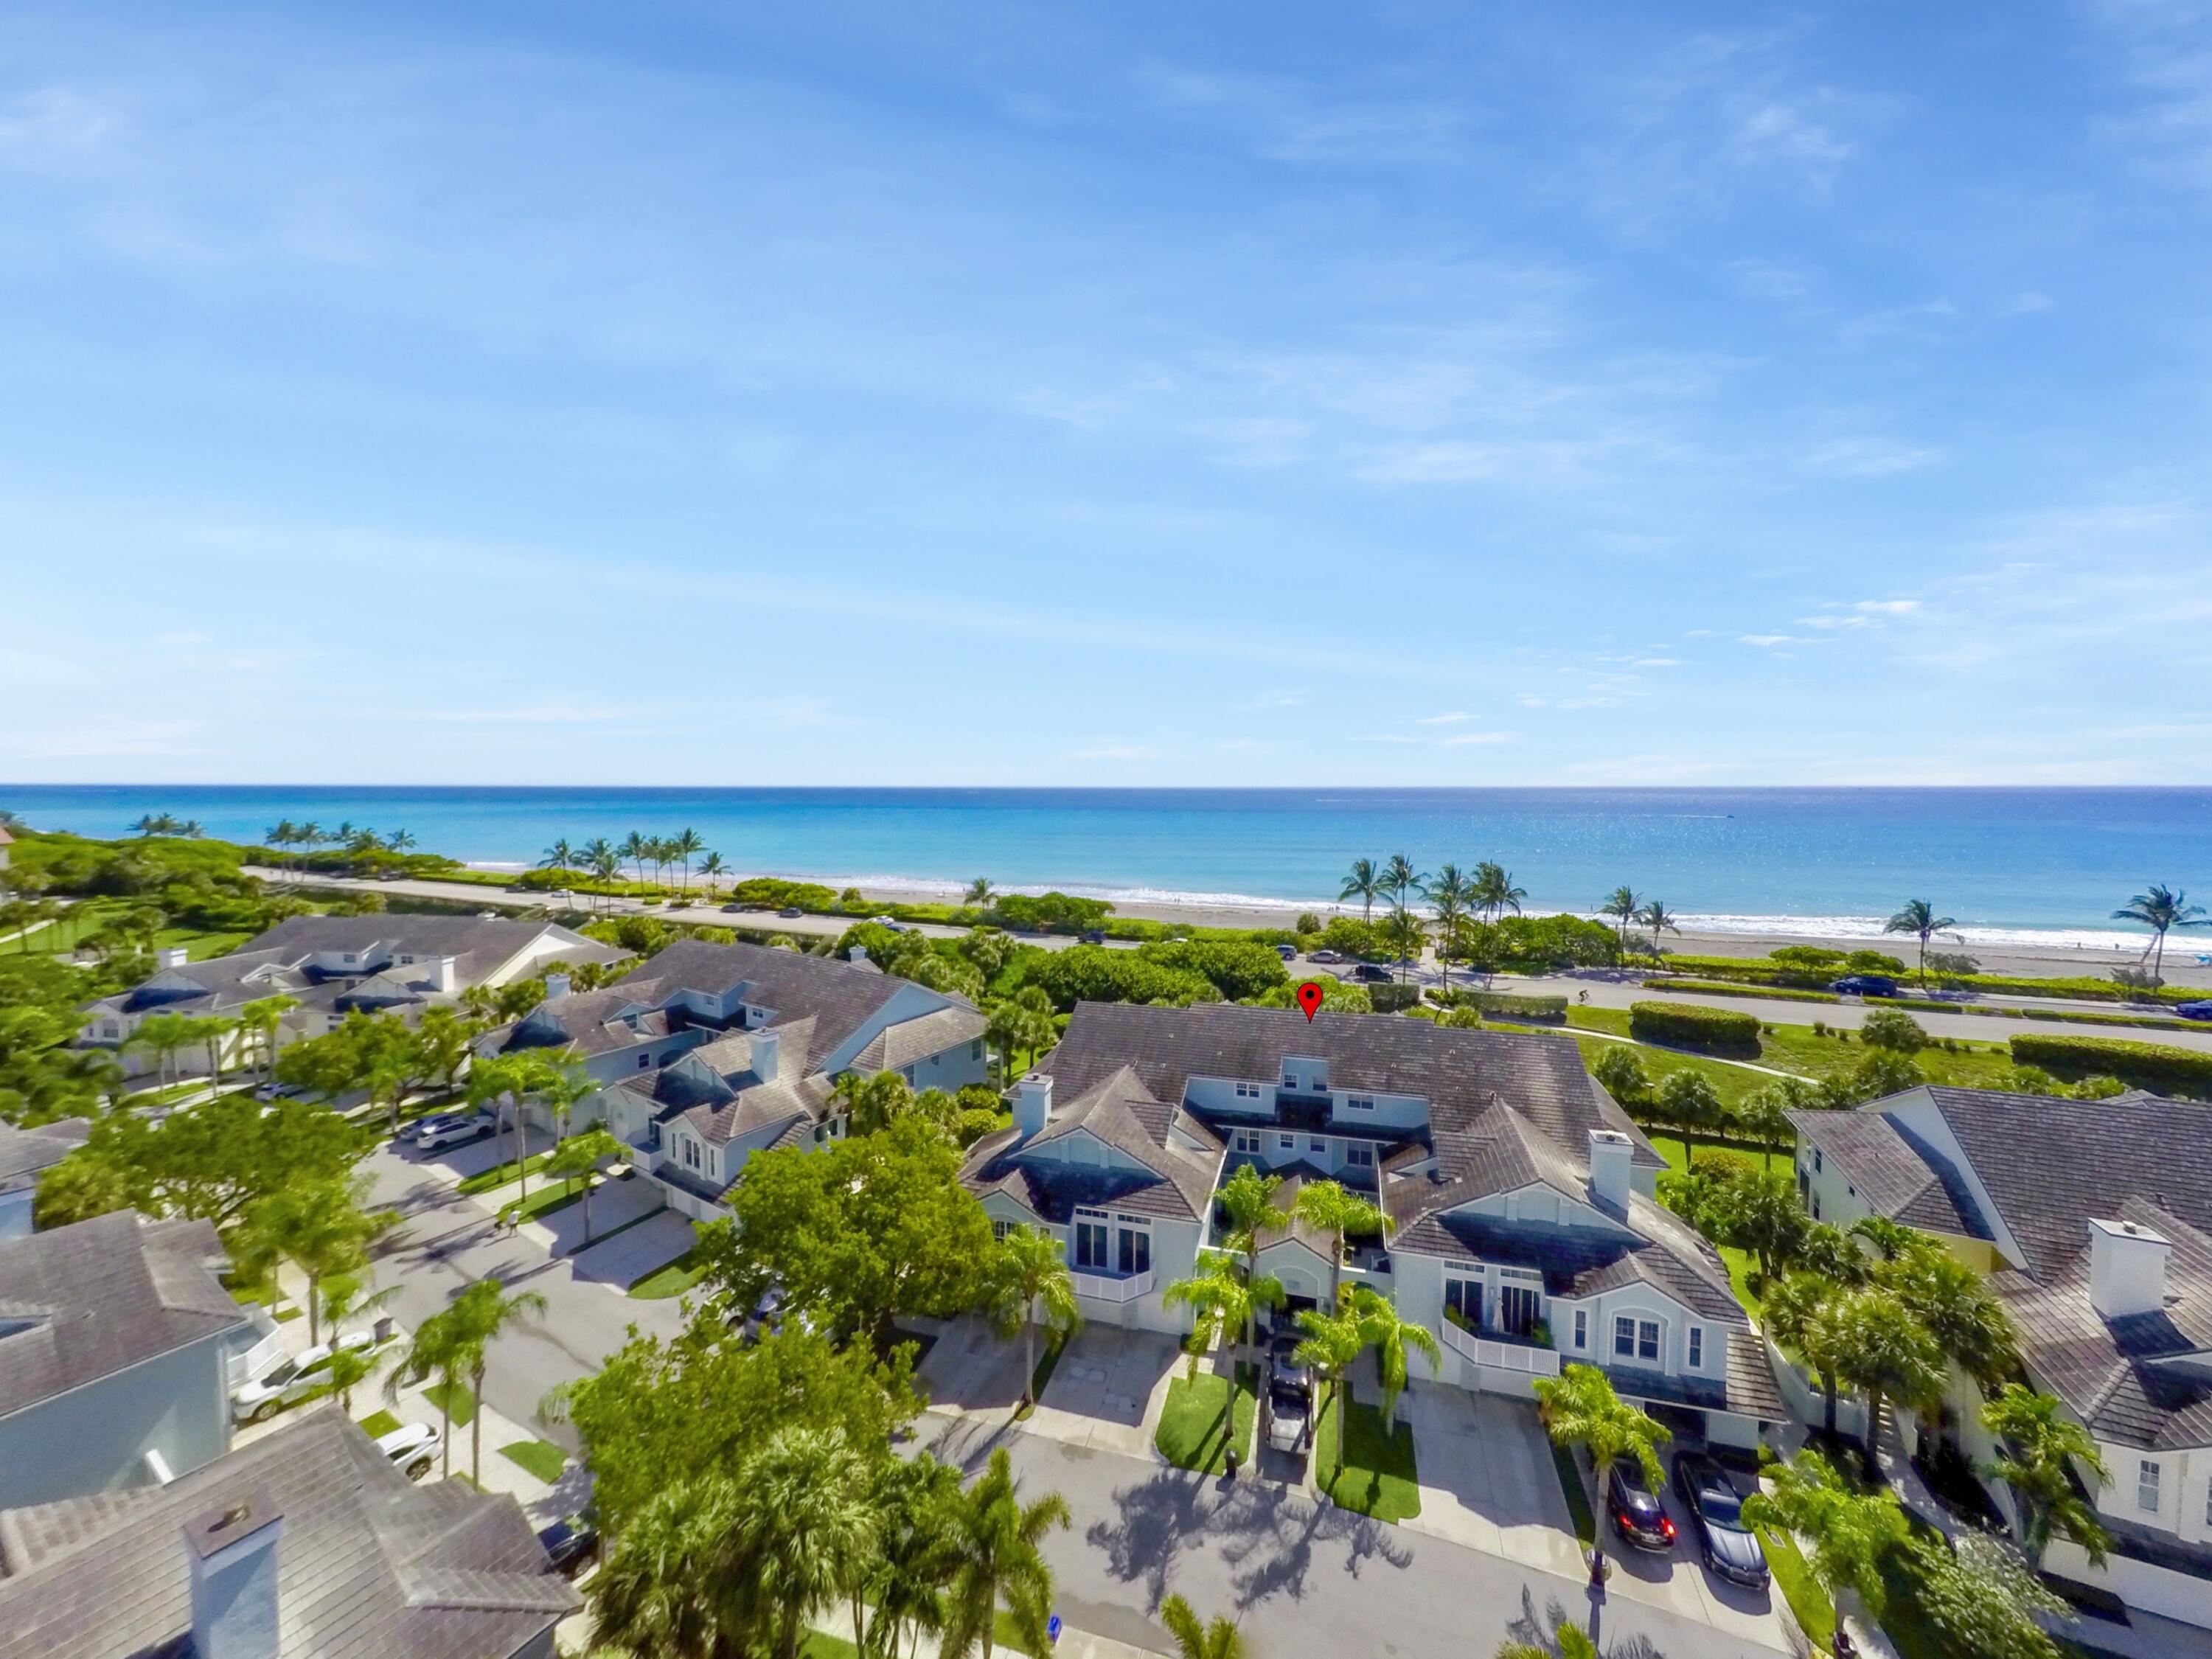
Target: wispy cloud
(1870,457)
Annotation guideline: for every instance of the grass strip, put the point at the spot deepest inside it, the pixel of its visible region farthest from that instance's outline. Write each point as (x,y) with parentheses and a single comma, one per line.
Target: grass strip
(1379,1476)
(546,1199)
(1578,1495)
(459,1402)
(540,1457)
(502,1174)
(1808,1604)
(376,1424)
(1203,1417)
(671,1279)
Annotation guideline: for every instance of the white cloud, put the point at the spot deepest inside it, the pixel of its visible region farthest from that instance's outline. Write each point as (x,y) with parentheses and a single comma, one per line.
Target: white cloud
(1460,739)
(1870,457)
(1443,720)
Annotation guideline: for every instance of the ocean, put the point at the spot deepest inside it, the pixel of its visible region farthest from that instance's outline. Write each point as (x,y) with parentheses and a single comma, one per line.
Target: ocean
(2012,865)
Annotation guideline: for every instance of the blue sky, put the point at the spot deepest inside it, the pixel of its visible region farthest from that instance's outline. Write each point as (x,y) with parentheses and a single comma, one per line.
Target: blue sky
(1106,393)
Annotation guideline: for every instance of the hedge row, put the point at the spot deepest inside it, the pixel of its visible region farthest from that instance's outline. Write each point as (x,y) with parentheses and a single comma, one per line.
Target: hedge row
(1687,1025)
(1704,987)
(1393,998)
(2156,1066)
(1504,1004)
(1759,971)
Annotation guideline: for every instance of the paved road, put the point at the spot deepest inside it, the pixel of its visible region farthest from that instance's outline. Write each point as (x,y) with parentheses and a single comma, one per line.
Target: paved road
(444,1244)
(1302,1578)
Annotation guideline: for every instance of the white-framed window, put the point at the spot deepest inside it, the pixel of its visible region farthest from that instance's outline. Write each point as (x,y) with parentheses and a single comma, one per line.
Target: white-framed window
(1290,1079)
(691,1154)
(1647,1338)
(1697,1347)
(1360,1156)
(1316,1144)
(1247,1141)
(1359,1102)
(1623,1337)
(1582,1329)
(1251,1092)
(1636,1339)
(1287,1143)
(1816,1160)
(2146,1476)
(1000,1229)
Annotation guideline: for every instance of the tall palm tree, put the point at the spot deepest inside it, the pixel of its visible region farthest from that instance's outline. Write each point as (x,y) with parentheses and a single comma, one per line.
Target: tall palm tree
(635,849)
(1955,1306)
(1801,1311)
(481,1314)
(1850,1532)
(656,1593)
(998,1546)
(980,892)
(1918,916)
(804,1534)
(1381,1329)
(559,856)
(321,1227)
(1495,892)
(1399,878)
(1450,895)
(605,861)
(1218,1639)
(1622,905)
(1032,1285)
(1579,1408)
(433,1352)
(1247,1201)
(2038,1452)
(1407,934)
(1332,1345)
(1223,1301)
(1659,919)
(2160,907)
(581,1158)
(1885,1352)
(686,843)
(398,842)
(1364,882)
(712,870)
(914,1498)
(1328,1207)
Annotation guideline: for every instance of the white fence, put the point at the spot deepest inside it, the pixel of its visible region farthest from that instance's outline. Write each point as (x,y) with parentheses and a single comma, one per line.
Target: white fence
(1501,1356)
(1101,1288)
(247,1363)
(1801,1393)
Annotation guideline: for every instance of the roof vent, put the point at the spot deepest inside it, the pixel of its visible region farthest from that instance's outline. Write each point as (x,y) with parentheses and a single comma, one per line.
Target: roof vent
(233,1558)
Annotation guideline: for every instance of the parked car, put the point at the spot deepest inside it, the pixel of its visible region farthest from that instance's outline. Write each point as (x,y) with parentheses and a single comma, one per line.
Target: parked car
(1371,973)
(1094,936)
(412,1447)
(2195,1009)
(573,1545)
(1326,955)
(293,1380)
(789,911)
(1288,952)
(733,906)
(1290,1417)
(457,1131)
(1717,1520)
(1865,985)
(1638,1514)
(274,1091)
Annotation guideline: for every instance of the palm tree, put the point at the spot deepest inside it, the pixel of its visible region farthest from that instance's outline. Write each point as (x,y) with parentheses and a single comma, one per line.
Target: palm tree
(150,825)
(1955,1306)
(559,856)
(1883,1351)
(686,843)
(980,892)
(636,849)
(398,842)
(1405,934)
(804,1534)
(1389,1335)
(711,870)
(580,1159)
(1247,1201)
(321,1227)
(1450,895)
(1801,1311)
(1363,882)
(435,1351)
(914,1498)
(1579,1408)
(261,1020)
(1032,1283)
(1918,916)
(659,1591)
(604,861)
(2160,907)
(1622,906)
(1327,1207)
(481,1314)
(1024,1022)
(1494,893)
(1849,1532)
(2038,1454)
(999,1557)
(1399,878)
(1659,919)
(1333,1344)
(1219,1638)
(1223,1302)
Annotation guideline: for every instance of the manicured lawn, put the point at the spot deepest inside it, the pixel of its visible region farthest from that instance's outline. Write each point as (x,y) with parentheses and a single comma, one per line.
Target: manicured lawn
(1378,1478)
(673,1280)
(199,946)
(1577,1496)
(1195,1425)
(541,1457)
(459,1402)
(554,1195)
(818,1644)
(1808,1602)
(379,1423)
(1670,1148)
(502,1174)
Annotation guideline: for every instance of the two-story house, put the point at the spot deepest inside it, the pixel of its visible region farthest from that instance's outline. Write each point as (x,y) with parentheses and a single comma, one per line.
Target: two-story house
(1524,1231)
(386,963)
(710,1053)
(2094,1220)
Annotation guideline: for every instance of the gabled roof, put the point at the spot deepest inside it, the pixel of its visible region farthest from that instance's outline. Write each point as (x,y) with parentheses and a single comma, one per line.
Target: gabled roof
(1119,1111)
(369,1566)
(82,1302)
(25,1153)
(590,1020)
(896,1047)
(839,996)
(1895,1176)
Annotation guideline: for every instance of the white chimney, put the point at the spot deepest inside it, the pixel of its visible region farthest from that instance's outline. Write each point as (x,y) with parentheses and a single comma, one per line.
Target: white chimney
(1032,1103)
(858,953)
(556,987)
(767,1055)
(233,1558)
(445,975)
(1610,1153)
(2127,1269)
(170,956)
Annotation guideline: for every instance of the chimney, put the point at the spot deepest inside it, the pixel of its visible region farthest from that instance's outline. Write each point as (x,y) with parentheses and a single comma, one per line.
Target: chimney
(445,975)
(1609,1154)
(767,1055)
(858,953)
(1032,1104)
(233,1552)
(2127,1269)
(556,987)
(170,956)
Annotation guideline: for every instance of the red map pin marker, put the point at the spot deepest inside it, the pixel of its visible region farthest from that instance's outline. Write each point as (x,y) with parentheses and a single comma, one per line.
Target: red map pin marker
(1309,996)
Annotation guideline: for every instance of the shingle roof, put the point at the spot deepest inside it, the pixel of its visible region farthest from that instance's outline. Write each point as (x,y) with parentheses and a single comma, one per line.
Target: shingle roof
(1895,1176)
(82,1302)
(1121,1112)
(369,1566)
(28,1151)
(898,1046)
(838,995)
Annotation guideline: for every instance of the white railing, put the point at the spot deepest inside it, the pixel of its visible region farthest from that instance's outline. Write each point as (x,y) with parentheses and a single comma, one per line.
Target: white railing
(1101,1288)
(1501,1356)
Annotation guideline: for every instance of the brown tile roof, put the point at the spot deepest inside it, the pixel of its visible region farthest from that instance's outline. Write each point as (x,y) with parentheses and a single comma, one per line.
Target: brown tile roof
(1894,1176)
(1120,1111)
(30,1152)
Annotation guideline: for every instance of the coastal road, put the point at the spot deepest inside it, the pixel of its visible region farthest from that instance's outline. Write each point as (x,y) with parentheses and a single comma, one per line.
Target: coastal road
(1299,1576)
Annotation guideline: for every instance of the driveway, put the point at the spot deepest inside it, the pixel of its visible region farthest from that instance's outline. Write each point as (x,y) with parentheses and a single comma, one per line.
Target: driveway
(616,1202)
(628,1256)
(1487,1479)
(969,1371)
(1108,1389)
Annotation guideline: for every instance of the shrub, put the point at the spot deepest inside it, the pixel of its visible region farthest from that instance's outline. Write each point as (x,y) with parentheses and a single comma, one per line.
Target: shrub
(1621,1070)
(1309,922)
(1504,1006)
(2156,1066)
(1237,971)
(1090,973)
(1685,1026)
(1393,998)
(1890,1029)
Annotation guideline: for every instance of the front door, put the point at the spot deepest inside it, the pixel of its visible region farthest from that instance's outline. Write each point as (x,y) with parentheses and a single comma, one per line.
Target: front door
(1090,1247)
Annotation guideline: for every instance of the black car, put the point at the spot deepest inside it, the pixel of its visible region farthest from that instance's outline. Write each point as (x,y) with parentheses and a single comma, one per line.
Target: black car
(1638,1514)
(1290,1417)
(1094,936)
(1284,1371)
(1717,1520)
(573,1545)
(1865,985)
(1371,973)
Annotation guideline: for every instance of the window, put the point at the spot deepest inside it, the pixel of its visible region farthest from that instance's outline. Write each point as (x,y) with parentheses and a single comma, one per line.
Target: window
(1091,1246)
(1136,1250)
(975,1049)
(691,1154)
(1582,1328)
(1316,1144)
(1697,1347)
(1623,1338)
(1288,1143)
(1360,1156)
(1247,1141)
(1519,1307)
(644,1061)
(1647,1340)
(1290,1079)
(1359,1102)
(2147,1486)
(1251,1092)
(1816,1160)
(1000,1229)
(1464,1297)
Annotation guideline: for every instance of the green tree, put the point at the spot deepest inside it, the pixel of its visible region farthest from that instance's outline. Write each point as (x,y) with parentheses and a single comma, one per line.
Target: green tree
(481,1315)
(1803,1315)
(1215,1638)
(434,1354)
(1021,1021)
(161,1036)
(2040,1452)
(581,1158)
(321,1227)
(261,1020)
(1919,917)
(1223,1301)
(1622,1071)
(1381,1329)
(803,1535)
(1956,1307)
(1848,1532)
(1451,896)
(1332,1345)
(684,845)
(1659,919)
(1881,1350)
(998,1546)
(1687,1100)
(711,871)
(2161,909)
(980,892)
(1327,1207)
(1247,1200)
(1029,1285)
(1624,906)
(1579,1408)
(1364,882)
(1983,1599)
(443,1040)
(662,1591)
(904,1590)
(874,1102)
(1894,1029)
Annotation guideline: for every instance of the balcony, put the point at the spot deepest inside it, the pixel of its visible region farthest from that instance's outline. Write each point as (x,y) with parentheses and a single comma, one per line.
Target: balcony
(1501,1351)
(1111,1287)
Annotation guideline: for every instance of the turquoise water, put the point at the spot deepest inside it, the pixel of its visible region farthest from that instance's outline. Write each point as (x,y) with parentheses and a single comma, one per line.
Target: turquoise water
(2045,861)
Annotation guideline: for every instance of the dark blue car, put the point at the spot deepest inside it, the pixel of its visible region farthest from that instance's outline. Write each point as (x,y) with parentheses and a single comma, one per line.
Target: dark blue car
(1865,985)
(2195,1009)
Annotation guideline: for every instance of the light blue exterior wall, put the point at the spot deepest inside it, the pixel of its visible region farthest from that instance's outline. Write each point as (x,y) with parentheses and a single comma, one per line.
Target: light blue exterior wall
(95,1438)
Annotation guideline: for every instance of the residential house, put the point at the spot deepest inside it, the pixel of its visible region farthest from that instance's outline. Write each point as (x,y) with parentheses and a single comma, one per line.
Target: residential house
(1524,1234)
(306,1545)
(26,1155)
(5,839)
(384,963)
(115,1337)
(710,1053)
(2094,1220)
